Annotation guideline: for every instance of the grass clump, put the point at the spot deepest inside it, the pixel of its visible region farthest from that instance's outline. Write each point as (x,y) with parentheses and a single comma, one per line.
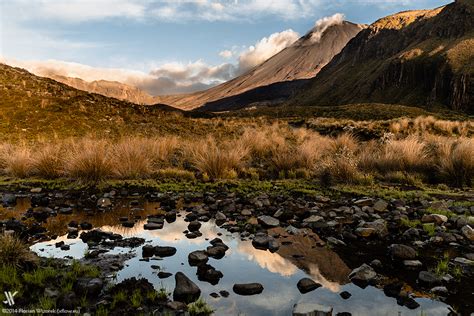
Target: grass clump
(200,308)
(14,252)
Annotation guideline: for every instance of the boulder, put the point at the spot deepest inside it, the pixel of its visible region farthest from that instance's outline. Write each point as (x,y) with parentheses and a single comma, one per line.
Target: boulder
(402,252)
(197,257)
(247,288)
(468,232)
(362,275)
(194,226)
(165,251)
(438,219)
(268,221)
(306,285)
(428,279)
(380,206)
(185,290)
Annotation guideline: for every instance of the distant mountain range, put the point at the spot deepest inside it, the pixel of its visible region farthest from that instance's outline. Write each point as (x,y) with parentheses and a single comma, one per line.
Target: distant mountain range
(418,58)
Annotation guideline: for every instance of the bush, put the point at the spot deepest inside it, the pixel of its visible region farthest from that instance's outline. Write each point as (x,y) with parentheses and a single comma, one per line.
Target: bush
(13,252)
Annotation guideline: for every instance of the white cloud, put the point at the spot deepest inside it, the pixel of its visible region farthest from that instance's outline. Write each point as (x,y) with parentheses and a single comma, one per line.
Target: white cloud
(266,48)
(226,54)
(323,24)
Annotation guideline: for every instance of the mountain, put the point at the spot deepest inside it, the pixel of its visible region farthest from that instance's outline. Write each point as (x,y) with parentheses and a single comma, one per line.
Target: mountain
(32,105)
(422,58)
(111,89)
(302,60)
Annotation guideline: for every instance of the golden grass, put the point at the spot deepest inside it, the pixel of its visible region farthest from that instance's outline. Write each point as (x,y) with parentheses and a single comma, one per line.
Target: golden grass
(269,152)
(13,252)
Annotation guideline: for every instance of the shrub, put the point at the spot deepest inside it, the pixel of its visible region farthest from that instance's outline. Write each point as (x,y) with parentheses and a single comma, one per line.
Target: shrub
(456,162)
(132,158)
(48,161)
(18,161)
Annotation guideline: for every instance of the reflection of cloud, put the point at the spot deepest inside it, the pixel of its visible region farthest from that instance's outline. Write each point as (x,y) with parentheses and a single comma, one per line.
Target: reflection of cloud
(316,275)
(273,262)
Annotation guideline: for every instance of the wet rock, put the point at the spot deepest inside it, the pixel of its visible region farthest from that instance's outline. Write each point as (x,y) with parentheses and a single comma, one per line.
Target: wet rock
(170,216)
(148,251)
(468,232)
(97,236)
(164,275)
(131,242)
(194,226)
(208,273)
(428,279)
(261,241)
(402,252)
(311,309)
(220,218)
(440,290)
(216,252)
(434,218)
(128,224)
(224,293)
(247,288)
(197,257)
(86,226)
(152,226)
(393,289)
(345,295)
(306,285)
(273,245)
(65,247)
(268,221)
(185,290)
(214,295)
(380,206)
(59,244)
(104,202)
(165,251)
(362,275)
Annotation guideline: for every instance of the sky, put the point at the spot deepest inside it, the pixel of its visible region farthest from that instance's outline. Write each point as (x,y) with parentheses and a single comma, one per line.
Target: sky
(166,46)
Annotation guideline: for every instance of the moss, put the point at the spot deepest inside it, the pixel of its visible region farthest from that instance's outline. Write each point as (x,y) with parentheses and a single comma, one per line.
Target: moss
(200,308)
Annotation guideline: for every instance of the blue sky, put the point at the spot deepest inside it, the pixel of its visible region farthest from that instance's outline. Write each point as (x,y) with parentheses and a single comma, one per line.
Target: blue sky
(188,44)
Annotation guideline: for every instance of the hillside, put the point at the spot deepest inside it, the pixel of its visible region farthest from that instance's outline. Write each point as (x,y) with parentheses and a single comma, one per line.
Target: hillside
(302,60)
(32,105)
(423,58)
(111,89)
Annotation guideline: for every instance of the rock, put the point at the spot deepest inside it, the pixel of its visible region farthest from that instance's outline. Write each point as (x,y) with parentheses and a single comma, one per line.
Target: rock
(197,257)
(165,251)
(363,202)
(313,219)
(216,252)
(273,245)
(411,233)
(185,290)
(412,264)
(128,224)
(379,225)
(248,288)
(89,287)
(224,293)
(335,241)
(306,285)
(345,295)
(402,252)
(428,279)
(434,218)
(176,306)
(440,290)
(9,199)
(261,241)
(220,218)
(148,251)
(311,309)
(362,275)
(52,293)
(86,226)
(468,232)
(104,202)
(364,232)
(65,247)
(292,230)
(36,190)
(268,221)
(380,206)
(194,226)
(152,226)
(164,275)
(208,273)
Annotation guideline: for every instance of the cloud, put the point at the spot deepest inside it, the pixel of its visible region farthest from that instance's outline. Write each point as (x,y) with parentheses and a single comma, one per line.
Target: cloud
(226,54)
(266,48)
(323,24)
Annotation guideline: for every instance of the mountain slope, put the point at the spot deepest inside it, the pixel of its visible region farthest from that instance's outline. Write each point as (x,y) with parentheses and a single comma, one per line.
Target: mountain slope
(302,60)
(111,89)
(423,58)
(32,105)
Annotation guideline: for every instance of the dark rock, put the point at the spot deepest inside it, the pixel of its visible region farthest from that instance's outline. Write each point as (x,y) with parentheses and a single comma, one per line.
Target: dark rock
(65,247)
(165,251)
(152,226)
(268,221)
(362,275)
(194,226)
(428,279)
(88,286)
(402,252)
(311,309)
(345,295)
(208,273)
(148,251)
(197,257)
(164,275)
(185,289)
(224,293)
(216,252)
(86,226)
(128,224)
(306,285)
(248,288)
(393,289)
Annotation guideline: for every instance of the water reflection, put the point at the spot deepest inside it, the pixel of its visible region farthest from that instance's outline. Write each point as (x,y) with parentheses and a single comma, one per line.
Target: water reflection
(278,272)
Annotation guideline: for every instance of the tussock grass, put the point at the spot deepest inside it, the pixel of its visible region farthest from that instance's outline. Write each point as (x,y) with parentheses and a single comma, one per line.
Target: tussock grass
(270,152)
(13,252)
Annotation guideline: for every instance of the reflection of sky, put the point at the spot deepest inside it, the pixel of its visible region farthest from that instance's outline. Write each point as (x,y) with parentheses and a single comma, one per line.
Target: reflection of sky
(244,264)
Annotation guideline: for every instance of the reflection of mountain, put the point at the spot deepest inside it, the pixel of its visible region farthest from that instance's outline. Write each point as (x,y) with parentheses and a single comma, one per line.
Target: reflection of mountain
(317,262)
